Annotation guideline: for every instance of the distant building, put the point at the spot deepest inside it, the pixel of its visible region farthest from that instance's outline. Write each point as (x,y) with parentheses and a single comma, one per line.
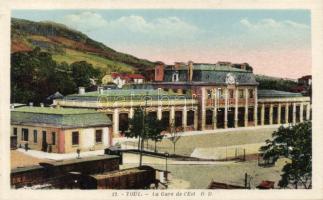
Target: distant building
(60,130)
(121,79)
(304,85)
(305,80)
(107,79)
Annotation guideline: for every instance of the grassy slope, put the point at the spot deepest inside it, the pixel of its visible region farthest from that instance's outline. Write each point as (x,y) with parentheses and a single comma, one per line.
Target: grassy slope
(70,46)
(72,56)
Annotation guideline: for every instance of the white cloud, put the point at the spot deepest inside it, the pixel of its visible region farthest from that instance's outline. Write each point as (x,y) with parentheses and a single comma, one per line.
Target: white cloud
(85,21)
(172,27)
(272,24)
(272,33)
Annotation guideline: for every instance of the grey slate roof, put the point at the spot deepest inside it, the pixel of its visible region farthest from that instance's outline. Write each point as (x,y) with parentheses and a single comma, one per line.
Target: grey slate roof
(207,67)
(124,94)
(277,94)
(212,73)
(219,77)
(58,117)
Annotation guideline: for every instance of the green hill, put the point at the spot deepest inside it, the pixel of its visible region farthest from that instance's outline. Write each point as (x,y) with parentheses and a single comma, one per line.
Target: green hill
(66,44)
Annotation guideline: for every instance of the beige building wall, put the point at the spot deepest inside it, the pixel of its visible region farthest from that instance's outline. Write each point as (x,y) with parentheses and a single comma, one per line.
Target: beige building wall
(86,138)
(31,141)
(107,79)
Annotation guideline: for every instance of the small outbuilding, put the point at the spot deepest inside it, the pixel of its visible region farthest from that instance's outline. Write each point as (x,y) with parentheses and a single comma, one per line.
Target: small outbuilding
(60,130)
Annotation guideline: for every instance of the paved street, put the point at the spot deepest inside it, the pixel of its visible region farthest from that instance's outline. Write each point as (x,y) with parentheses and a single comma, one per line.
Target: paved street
(198,175)
(208,140)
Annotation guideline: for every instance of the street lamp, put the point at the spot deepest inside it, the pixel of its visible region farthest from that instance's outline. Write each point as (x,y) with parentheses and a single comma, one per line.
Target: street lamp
(166,171)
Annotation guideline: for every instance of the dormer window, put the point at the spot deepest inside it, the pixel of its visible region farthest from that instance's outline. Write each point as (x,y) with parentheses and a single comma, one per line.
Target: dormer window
(175,77)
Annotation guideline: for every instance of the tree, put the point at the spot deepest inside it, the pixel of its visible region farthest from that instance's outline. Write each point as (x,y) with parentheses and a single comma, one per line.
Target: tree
(276,84)
(82,72)
(32,76)
(35,76)
(155,127)
(174,134)
(294,143)
(137,129)
(135,124)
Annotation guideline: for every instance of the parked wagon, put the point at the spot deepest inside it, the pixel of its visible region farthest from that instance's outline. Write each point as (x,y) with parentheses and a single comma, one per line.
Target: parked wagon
(132,178)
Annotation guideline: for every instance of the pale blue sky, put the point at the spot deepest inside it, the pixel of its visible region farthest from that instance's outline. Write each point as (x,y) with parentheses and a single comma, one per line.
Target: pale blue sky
(198,35)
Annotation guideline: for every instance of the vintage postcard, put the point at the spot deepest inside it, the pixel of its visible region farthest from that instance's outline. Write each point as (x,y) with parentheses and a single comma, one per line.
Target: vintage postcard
(110,100)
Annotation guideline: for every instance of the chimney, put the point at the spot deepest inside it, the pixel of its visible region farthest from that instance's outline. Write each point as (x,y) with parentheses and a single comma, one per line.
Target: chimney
(81,90)
(42,105)
(100,90)
(31,104)
(244,66)
(159,71)
(177,65)
(190,71)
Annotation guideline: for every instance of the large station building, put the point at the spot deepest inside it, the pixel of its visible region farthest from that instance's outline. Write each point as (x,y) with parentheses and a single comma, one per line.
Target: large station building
(197,96)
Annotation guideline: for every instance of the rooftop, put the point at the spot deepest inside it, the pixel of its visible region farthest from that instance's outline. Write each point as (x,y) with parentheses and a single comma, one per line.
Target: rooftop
(79,160)
(208,67)
(54,111)
(121,94)
(58,117)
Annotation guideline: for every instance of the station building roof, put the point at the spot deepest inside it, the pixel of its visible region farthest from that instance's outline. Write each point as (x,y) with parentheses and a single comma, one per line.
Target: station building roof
(125,94)
(207,67)
(205,73)
(277,94)
(58,117)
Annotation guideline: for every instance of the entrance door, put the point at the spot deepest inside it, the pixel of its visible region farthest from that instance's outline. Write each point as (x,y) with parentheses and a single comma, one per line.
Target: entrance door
(44,141)
(220,118)
(231,118)
(241,117)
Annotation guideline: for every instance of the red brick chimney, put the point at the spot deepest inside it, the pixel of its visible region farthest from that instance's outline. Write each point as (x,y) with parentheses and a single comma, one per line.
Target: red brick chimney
(159,71)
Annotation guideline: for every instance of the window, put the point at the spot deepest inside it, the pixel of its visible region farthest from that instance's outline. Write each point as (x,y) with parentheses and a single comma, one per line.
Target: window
(209,94)
(220,93)
(250,93)
(53,138)
(175,76)
(15,131)
(241,93)
(231,93)
(35,136)
(75,138)
(98,136)
(24,134)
